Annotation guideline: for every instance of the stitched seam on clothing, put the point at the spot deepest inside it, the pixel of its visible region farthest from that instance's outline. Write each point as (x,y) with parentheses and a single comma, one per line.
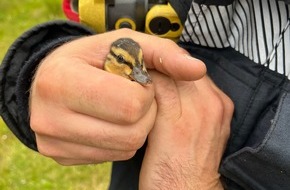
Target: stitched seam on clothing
(236,132)
(273,126)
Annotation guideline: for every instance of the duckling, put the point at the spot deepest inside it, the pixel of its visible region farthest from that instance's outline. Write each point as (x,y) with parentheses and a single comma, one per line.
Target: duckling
(126,59)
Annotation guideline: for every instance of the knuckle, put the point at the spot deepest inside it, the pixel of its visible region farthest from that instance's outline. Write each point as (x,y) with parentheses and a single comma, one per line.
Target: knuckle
(168,42)
(226,104)
(41,85)
(132,111)
(40,125)
(135,140)
(64,162)
(127,155)
(214,108)
(109,155)
(45,150)
(227,132)
(218,104)
(229,105)
(127,32)
(35,123)
(223,101)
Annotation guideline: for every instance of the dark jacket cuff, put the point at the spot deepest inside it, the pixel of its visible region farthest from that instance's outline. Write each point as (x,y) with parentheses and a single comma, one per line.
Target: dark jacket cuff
(19,66)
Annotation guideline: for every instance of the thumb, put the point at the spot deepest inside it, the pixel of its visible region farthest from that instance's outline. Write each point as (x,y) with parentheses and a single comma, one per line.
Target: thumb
(160,54)
(168,58)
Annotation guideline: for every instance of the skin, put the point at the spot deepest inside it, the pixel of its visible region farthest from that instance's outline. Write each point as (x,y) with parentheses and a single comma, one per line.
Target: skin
(188,139)
(78,117)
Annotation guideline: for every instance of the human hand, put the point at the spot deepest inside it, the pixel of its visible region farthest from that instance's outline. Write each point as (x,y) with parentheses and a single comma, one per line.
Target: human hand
(186,144)
(81,114)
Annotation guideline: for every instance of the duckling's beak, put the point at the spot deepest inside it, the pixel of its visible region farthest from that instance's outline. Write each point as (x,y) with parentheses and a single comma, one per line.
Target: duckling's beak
(140,75)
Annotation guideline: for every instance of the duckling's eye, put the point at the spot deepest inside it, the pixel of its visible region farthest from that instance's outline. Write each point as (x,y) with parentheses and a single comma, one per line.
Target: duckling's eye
(120,59)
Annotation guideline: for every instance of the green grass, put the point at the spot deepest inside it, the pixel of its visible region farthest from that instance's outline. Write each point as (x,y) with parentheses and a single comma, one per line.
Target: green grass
(20,167)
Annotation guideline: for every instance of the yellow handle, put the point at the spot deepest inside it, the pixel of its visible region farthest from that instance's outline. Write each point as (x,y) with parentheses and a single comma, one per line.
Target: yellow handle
(169,13)
(92,14)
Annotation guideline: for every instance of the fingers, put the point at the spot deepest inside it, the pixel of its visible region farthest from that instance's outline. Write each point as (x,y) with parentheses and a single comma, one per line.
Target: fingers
(167,96)
(73,138)
(74,103)
(88,131)
(69,153)
(108,97)
(161,54)
(93,92)
(168,58)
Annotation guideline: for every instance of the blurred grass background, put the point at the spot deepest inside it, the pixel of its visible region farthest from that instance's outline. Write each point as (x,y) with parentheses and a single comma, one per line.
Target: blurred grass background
(20,167)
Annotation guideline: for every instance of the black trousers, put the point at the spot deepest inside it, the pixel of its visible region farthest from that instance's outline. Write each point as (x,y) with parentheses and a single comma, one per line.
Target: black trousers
(258,151)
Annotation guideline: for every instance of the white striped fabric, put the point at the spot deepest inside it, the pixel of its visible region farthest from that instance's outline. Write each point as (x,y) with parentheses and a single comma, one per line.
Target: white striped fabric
(259,29)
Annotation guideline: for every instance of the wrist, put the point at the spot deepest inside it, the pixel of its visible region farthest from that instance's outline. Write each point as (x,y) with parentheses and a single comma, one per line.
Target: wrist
(213,183)
(172,174)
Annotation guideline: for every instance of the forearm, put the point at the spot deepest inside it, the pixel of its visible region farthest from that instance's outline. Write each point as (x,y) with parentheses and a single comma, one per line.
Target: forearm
(18,67)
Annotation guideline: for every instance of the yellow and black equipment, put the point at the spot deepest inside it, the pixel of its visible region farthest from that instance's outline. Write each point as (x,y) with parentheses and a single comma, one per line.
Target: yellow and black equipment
(156,17)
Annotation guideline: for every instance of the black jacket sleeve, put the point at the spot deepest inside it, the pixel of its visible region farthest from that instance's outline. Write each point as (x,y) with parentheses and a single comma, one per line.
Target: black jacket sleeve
(18,68)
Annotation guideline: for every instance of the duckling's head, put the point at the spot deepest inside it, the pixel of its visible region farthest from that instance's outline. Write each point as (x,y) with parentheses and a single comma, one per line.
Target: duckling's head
(126,59)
